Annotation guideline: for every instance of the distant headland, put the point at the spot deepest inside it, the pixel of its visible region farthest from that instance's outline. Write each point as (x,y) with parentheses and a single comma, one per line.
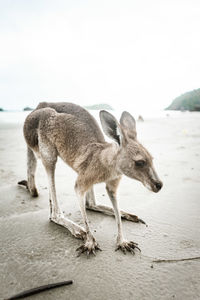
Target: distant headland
(188,101)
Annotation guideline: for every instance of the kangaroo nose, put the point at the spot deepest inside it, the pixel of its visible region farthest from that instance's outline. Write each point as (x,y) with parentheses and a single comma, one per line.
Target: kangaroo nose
(159,185)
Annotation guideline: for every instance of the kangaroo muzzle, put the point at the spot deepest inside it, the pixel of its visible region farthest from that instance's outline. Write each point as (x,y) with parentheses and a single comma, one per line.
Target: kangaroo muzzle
(155,183)
(157,186)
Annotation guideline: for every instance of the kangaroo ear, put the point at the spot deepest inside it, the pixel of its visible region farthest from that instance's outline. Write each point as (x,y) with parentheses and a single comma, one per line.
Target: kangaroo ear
(110,126)
(128,123)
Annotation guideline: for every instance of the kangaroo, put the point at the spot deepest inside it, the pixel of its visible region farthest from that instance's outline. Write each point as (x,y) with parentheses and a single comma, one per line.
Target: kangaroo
(70,132)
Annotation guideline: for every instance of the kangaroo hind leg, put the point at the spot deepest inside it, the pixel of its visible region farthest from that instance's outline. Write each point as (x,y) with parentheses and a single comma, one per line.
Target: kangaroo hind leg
(91,205)
(31,168)
(49,159)
(90,198)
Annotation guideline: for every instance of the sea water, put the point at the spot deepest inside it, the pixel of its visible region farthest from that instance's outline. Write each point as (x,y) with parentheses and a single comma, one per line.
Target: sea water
(18,117)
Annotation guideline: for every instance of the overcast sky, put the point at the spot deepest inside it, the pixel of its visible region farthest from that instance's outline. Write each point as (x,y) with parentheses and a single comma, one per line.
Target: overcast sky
(127,53)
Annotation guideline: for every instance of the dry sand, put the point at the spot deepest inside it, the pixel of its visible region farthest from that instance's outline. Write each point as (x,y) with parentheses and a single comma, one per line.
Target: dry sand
(35,251)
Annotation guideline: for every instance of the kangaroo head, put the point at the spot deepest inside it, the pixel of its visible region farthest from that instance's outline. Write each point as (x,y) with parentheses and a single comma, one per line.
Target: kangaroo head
(133,159)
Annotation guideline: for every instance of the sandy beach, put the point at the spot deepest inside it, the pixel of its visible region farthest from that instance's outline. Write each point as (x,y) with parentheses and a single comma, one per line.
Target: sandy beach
(34,251)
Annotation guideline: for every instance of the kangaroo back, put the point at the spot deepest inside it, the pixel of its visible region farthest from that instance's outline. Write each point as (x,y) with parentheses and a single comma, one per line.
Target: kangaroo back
(82,114)
(86,119)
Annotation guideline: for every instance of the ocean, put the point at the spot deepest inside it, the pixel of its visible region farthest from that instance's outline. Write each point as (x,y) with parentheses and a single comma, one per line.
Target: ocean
(18,117)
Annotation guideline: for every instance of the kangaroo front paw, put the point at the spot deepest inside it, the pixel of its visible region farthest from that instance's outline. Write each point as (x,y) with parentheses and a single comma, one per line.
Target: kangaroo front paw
(127,246)
(90,246)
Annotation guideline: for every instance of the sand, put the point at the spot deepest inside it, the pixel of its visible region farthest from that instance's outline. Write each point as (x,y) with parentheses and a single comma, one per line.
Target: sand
(35,251)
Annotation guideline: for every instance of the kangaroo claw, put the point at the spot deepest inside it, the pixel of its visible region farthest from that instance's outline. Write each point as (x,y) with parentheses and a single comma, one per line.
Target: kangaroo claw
(88,249)
(127,246)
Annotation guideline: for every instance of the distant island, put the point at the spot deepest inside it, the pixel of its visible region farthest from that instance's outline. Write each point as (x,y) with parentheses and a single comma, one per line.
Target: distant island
(99,106)
(1,109)
(188,101)
(27,108)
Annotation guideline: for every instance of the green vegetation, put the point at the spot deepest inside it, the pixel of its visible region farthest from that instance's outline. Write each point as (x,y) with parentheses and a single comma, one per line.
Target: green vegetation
(188,101)
(99,106)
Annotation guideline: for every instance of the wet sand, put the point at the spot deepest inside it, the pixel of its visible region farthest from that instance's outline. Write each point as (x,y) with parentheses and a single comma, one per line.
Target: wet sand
(35,251)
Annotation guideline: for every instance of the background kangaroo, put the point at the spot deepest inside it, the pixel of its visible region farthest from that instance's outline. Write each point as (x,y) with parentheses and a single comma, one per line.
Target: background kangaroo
(68,130)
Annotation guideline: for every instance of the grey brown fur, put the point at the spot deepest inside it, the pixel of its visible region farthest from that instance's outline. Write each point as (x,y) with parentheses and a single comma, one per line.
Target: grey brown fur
(69,131)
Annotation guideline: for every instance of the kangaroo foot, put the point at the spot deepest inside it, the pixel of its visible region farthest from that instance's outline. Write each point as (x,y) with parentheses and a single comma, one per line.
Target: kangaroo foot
(109,211)
(33,191)
(131,217)
(74,228)
(127,246)
(24,183)
(90,246)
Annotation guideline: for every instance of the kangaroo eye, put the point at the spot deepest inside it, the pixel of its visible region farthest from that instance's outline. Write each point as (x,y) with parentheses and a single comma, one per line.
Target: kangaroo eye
(140,163)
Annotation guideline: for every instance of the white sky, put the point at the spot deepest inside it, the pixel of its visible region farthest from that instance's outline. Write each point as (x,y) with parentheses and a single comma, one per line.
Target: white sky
(126,53)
